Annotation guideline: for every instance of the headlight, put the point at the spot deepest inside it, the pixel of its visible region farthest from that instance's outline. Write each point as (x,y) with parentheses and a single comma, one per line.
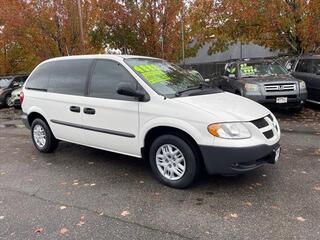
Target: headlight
(229,130)
(251,87)
(302,85)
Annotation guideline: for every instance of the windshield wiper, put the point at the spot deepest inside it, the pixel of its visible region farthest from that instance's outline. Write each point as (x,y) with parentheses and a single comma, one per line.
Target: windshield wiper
(200,86)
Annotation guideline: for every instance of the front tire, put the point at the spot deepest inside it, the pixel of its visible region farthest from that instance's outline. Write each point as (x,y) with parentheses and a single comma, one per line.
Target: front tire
(42,136)
(173,161)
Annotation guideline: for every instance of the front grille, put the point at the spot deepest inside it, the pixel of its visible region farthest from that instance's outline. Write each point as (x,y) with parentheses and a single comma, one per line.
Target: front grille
(283,87)
(268,134)
(267,126)
(260,123)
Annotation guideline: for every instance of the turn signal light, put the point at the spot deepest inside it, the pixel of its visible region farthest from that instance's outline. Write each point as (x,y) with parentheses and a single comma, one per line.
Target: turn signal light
(213,129)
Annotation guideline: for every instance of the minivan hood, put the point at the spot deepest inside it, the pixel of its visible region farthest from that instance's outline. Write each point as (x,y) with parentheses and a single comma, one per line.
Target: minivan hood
(226,107)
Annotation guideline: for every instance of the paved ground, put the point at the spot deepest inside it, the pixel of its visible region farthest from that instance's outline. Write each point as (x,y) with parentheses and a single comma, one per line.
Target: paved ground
(83,193)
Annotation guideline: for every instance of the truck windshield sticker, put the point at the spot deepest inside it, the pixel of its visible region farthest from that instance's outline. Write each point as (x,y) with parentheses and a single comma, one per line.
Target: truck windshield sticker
(249,70)
(152,73)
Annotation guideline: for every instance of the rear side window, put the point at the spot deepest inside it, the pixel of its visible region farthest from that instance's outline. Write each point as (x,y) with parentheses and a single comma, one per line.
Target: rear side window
(304,66)
(40,77)
(69,76)
(316,66)
(106,77)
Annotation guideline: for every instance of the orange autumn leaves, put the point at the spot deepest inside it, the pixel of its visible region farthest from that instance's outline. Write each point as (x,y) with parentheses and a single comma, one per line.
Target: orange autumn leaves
(290,26)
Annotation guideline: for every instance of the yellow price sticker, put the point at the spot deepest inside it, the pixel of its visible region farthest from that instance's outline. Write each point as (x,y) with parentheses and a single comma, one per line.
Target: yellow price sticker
(152,73)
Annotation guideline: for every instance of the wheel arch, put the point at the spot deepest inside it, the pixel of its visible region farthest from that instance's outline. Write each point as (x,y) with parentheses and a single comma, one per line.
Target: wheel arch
(160,130)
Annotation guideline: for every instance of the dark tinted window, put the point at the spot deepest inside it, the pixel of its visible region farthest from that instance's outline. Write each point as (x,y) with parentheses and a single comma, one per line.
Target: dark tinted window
(316,66)
(69,76)
(304,65)
(40,77)
(106,77)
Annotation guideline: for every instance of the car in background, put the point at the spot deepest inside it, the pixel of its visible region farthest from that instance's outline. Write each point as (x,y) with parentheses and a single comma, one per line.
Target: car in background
(15,98)
(9,84)
(264,81)
(307,68)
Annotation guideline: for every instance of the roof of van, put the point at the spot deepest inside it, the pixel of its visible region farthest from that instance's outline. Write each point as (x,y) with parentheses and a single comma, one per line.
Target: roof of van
(99,56)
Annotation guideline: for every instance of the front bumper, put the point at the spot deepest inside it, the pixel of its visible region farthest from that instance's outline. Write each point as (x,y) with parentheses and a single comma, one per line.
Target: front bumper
(235,160)
(293,99)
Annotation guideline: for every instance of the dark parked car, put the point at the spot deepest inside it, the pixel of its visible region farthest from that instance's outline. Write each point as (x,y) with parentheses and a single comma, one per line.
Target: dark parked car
(307,68)
(264,81)
(7,85)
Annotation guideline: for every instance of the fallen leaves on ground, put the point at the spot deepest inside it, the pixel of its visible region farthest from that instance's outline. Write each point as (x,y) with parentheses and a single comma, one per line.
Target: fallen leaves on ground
(92,184)
(39,230)
(141,182)
(300,219)
(64,231)
(79,224)
(317,152)
(249,204)
(231,216)
(63,207)
(125,213)
(275,207)
(317,188)
(1,217)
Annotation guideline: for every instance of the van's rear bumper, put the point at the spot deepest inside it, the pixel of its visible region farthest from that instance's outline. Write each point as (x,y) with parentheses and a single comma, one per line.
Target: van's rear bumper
(232,160)
(24,119)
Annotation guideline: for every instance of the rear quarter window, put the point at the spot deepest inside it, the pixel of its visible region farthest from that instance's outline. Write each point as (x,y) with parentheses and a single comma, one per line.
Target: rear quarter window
(40,77)
(69,76)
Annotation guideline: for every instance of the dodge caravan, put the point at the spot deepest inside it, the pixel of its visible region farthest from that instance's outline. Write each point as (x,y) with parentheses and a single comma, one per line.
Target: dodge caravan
(147,107)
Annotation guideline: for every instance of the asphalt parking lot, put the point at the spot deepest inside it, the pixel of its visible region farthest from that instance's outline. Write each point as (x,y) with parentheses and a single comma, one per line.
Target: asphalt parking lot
(84,193)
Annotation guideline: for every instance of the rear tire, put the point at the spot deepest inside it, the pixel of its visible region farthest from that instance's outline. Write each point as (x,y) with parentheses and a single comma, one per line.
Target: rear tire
(42,137)
(173,161)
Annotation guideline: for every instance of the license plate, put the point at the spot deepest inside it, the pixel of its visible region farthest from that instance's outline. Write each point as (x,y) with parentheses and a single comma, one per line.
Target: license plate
(281,100)
(277,155)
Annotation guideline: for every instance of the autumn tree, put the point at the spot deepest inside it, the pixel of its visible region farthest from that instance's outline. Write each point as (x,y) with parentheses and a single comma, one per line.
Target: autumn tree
(43,29)
(287,25)
(145,27)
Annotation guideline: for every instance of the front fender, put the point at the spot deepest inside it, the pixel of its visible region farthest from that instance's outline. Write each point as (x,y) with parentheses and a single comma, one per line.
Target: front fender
(169,122)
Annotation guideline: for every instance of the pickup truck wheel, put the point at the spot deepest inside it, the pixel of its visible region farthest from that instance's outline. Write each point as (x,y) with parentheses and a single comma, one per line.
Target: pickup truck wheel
(42,136)
(173,161)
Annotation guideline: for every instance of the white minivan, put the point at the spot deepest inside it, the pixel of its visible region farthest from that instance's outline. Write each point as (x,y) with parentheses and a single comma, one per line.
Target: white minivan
(147,107)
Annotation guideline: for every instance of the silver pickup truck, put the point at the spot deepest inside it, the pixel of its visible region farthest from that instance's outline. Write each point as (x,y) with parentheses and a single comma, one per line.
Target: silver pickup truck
(264,81)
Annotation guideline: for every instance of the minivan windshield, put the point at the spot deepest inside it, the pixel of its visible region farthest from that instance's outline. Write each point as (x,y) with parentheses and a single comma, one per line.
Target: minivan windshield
(165,78)
(261,69)
(5,82)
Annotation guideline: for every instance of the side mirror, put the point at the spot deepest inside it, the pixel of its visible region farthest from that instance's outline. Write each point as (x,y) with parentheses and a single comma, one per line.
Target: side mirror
(16,84)
(127,89)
